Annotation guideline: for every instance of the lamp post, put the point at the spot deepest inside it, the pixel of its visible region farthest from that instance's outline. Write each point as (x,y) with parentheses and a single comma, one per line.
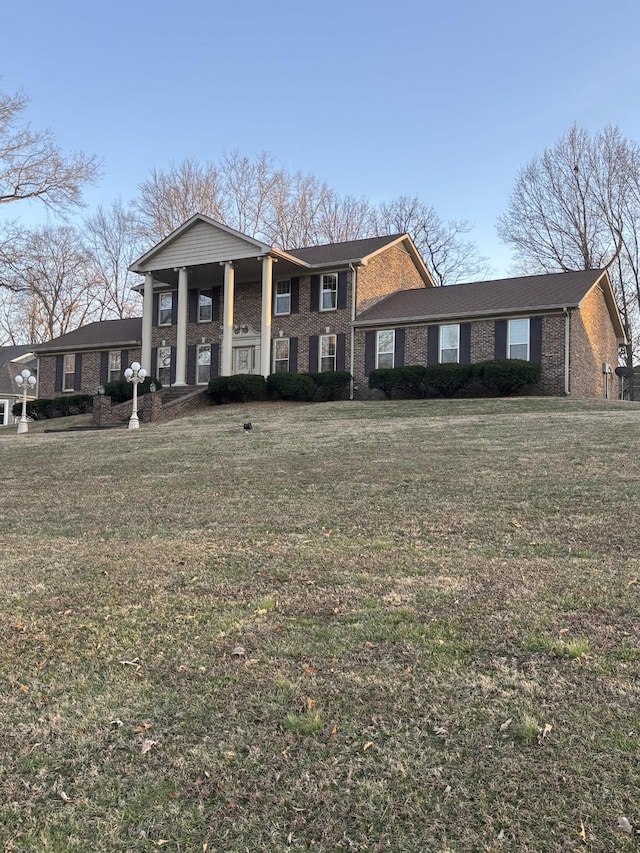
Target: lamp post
(135,374)
(25,380)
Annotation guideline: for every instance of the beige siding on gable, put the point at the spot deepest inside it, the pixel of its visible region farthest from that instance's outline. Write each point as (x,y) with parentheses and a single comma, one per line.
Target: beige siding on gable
(201,244)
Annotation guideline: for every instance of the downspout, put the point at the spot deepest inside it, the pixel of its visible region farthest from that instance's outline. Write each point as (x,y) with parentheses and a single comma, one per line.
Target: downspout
(352,360)
(567,315)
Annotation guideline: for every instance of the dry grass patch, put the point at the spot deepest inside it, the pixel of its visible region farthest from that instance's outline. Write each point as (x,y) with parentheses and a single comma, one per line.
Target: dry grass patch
(397,626)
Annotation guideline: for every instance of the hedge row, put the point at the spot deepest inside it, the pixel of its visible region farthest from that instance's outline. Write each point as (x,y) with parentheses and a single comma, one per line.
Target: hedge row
(58,407)
(498,378)
(120,390)
(302,387)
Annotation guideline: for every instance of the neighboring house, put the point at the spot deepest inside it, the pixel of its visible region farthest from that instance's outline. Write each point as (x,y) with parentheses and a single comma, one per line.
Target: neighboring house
(13,360)
(217,302)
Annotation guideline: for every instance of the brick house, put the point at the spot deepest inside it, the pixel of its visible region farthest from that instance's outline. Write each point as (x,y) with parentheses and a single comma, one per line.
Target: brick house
(217,302)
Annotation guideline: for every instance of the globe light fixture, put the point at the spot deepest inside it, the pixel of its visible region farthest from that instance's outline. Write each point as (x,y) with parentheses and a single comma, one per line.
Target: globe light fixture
(135,374)
(26,382)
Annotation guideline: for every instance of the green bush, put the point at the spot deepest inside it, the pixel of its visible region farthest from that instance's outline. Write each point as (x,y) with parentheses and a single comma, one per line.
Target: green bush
(58,407)
(291,386)
(237,389)
(508,376)
(331,385)
(446,380)
(383,379)
(499,378)
(120,390)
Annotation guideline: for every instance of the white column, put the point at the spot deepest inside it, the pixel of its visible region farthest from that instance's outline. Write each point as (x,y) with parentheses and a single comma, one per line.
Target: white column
(265,331)
(147,321)
(181,331)
(227,327)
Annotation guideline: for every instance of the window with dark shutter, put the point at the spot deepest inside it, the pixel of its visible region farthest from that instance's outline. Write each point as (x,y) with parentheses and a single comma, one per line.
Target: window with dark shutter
(500,339)
(465,343)
(342,289)
(295,296)
(535,339)
(340,351)
(313,353)
(293,355)
(314,299)
(398,353)
(369,352)
(433,344)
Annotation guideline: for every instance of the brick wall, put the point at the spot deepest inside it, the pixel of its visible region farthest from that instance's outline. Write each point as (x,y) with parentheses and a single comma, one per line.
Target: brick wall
(593,343)
(482,349)
(384,274)
(90,373)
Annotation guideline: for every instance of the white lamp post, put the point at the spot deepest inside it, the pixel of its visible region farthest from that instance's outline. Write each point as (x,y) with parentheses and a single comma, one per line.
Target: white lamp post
(25,380)
(135,374)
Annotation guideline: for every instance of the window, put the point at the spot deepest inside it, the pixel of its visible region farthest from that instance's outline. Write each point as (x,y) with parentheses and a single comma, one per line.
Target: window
(69,372)
(3,412)
(203,364)
(518,339)
(329,292)
(164,365)
(281,355)
(283,297)
(327,353)
(205,306)
(115,366)
(449,344)
(385,347)
(165,309)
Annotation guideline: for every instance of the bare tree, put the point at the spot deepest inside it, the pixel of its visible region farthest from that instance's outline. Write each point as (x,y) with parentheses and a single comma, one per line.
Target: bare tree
(449,257)
(112,237)
(32,165)
(167,199)
(47,271)
(577,206)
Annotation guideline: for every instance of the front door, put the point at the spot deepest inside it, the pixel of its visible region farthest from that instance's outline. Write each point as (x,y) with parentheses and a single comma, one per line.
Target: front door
(244,359)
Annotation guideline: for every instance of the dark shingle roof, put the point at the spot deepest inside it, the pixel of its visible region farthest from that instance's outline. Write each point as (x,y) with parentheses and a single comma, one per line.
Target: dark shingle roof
(96,335)
(341,253)
(499,296)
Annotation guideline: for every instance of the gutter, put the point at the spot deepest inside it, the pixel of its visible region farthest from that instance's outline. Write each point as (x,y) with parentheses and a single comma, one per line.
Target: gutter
(567,317)
(352,364)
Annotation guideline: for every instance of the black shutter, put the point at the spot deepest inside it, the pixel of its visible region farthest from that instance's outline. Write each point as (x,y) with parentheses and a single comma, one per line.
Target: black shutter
(369,352)
(433,344)
(342,289)
(124,361)
(174,308)
(59,370)
(191,365)
(156,309)
(295,297)
(215,304)
(398,353)
(465,343)
(314,342)
(104,368)
(193,298)
(500,333)
(154,362)
(293,355)
(535,339)
(215,349)
(340,351)
(314,298)
(172,369)
(77,375)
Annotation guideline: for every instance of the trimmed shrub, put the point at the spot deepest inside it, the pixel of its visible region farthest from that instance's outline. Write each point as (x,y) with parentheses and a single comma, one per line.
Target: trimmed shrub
(331,385)
(508,376)
(291,386)
(383,379)
(58,407)
(410,381)
(446,380)
(120,390)
(236,389)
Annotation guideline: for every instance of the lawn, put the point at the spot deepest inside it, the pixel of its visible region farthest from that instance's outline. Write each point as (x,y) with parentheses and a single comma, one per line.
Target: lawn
(393,626)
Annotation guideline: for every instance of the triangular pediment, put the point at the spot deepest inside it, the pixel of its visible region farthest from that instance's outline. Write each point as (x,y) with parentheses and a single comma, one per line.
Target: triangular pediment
(200,240)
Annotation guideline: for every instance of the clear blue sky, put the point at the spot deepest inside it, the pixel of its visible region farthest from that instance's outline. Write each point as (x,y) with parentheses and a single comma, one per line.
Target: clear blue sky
(444,100)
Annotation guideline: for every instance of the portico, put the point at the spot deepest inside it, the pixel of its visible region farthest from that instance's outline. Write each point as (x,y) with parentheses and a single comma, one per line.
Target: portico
(206,263)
